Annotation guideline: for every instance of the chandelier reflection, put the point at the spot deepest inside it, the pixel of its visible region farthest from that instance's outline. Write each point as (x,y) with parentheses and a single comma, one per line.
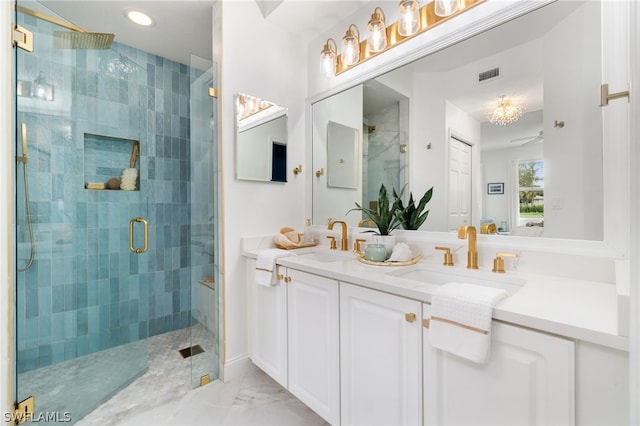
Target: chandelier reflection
(506,112)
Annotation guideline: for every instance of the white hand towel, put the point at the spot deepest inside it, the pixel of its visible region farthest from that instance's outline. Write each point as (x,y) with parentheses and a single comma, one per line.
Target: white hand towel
(461,319)
(266,273)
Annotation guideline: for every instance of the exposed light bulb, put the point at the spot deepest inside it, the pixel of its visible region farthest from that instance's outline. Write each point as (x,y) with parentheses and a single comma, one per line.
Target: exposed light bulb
(377,40)
(409,22)
(446,7)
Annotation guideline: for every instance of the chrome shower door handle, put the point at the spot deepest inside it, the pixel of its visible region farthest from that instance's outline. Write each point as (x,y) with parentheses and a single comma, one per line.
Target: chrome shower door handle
(146,235)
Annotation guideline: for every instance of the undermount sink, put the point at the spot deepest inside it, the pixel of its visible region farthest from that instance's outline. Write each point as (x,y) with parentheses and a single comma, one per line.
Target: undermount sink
(428,275)
(324,257)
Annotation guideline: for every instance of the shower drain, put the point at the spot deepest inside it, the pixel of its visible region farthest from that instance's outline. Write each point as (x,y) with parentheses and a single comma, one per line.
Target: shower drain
(190,351)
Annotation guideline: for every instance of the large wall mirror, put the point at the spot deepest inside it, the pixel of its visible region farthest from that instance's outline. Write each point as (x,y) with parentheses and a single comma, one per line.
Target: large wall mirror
(261,140)
(537,173)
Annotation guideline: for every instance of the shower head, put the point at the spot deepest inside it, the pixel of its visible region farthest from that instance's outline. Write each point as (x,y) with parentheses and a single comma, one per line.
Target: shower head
(82,40)
(77,38)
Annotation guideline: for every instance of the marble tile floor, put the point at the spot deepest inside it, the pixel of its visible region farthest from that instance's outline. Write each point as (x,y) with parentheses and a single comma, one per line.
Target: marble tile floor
(165,396)
(254,399)
(168,377)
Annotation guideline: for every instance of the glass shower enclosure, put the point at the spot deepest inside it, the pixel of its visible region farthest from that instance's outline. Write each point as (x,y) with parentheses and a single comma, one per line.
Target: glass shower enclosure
(116,217)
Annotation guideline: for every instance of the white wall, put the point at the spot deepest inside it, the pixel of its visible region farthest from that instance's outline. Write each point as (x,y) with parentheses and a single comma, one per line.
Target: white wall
(269,64)
(572,154)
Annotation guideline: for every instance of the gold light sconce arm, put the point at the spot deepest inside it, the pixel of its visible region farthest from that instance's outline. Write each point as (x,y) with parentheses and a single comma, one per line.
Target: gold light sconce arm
(605,96)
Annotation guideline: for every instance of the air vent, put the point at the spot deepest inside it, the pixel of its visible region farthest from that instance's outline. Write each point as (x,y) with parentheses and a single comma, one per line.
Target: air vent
(489,74)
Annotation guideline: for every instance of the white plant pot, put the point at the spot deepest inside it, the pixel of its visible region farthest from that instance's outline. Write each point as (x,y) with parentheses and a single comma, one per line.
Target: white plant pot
(389,241)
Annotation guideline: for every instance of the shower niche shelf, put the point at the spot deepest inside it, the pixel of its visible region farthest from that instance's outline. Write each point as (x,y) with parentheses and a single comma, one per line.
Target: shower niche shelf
(107,157)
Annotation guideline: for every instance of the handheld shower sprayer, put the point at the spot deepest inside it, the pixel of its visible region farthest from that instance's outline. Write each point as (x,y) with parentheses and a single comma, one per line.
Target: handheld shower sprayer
(23,159)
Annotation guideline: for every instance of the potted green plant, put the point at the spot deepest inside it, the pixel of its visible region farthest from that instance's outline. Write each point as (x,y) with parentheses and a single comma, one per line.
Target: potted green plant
(384,217)
(412,216)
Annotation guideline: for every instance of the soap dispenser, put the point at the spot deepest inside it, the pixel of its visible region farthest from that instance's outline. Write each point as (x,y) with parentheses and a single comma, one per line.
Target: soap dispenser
(307,237)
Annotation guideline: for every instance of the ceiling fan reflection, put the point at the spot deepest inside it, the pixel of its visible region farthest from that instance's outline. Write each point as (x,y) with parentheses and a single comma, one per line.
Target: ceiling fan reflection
(539,138)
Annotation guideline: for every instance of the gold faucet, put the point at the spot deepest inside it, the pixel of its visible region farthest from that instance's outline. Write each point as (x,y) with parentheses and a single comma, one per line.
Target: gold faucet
(344,242)
(472,252)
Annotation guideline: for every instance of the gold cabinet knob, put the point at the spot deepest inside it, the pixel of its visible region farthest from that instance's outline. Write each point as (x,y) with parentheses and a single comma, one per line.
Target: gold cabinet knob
(287,279)
(410,317)
(320,172)
(426,322)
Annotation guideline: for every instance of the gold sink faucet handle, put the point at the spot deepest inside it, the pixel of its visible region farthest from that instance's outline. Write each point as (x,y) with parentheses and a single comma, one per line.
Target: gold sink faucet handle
(333,242)
(356,244)
(448,256)
(498,262)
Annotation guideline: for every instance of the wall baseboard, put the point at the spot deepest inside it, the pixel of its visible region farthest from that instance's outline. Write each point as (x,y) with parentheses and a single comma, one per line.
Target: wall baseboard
(236,367)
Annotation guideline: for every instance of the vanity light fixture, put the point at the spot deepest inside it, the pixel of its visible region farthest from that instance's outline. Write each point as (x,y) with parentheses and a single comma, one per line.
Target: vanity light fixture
(247,106)
(414,20)
(446,7)
(506,112)
(328,57)
(351,46)
(138,17)
(377,40)
(409,22)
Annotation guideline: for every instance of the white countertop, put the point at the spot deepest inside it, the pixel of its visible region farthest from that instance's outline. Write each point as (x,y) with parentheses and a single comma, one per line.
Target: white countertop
(576,309)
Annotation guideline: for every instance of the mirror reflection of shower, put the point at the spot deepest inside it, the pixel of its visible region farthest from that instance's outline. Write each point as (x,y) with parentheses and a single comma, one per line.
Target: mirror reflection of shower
(23,159)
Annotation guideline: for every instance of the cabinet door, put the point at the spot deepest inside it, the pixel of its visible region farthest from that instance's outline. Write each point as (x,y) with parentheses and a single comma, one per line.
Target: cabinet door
(313,342)
(380,347)
(268,326)
(529,380)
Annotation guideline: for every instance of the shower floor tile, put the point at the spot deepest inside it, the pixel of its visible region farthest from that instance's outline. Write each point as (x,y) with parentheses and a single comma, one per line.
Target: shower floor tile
(79,385)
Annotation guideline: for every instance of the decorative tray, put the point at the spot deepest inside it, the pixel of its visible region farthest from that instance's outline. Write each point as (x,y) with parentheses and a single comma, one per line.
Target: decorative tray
(301,245)
(411,261)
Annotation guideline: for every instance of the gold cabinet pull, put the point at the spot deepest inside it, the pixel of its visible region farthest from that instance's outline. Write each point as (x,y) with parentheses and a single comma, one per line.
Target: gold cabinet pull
(425,322)
(146,235)
(280,276)
(287,279)
(410,317)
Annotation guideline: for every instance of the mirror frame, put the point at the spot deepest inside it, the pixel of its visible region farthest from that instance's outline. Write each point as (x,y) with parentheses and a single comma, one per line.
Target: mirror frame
(615,65)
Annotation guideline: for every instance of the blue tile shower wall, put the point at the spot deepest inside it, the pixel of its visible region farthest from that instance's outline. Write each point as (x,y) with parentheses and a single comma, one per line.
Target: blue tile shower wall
(86,291)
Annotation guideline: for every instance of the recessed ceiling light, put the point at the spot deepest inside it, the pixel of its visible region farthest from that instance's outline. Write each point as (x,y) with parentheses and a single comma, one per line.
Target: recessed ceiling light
(138,17)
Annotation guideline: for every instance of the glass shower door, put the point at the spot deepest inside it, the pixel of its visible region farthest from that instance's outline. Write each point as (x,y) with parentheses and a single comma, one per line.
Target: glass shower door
(82,271)
(204,325)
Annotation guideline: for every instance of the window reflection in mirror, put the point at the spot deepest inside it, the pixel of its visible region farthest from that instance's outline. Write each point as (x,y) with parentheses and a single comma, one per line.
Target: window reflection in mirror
(261,140)
(549,62)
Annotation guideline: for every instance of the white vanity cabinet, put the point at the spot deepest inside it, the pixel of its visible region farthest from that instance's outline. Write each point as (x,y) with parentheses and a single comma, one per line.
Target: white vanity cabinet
(380,358)
(294,336)
(314,372)
(528,380)
(267,316)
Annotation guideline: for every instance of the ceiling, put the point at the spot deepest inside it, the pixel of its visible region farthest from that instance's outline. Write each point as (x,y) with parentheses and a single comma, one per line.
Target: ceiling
(181,27)
(184,27)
